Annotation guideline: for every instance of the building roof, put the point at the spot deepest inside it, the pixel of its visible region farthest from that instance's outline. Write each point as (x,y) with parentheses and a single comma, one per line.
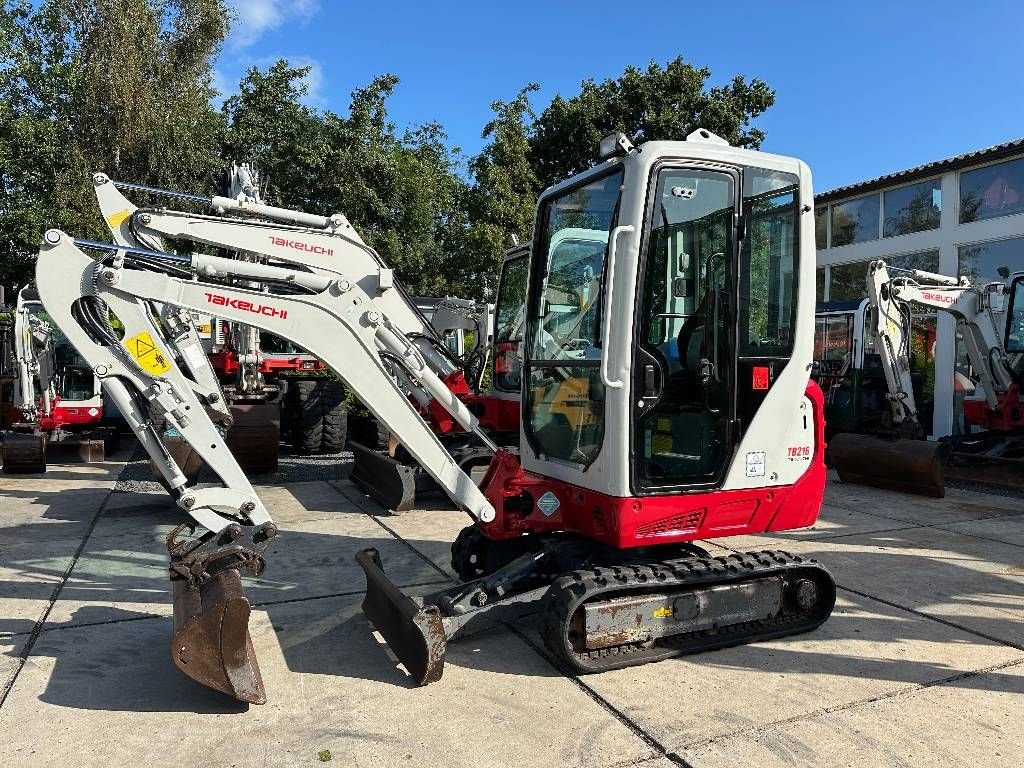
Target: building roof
(979,156)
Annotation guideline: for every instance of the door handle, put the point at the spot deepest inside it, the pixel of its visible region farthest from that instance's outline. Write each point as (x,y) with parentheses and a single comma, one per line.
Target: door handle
(707,370)
(649,381)
(609,272)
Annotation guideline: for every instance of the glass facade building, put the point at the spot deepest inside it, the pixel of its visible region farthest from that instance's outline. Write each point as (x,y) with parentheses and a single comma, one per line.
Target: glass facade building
(963,216)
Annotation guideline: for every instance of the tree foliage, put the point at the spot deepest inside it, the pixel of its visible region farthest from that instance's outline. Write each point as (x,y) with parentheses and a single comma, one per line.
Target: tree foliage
(124,87)
(659,103)
(119,86)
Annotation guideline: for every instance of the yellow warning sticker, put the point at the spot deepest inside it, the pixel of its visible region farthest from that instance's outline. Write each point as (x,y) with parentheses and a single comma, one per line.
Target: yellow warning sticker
(207,329)
(661,444)
(115,219)
(145,351)
(662,613)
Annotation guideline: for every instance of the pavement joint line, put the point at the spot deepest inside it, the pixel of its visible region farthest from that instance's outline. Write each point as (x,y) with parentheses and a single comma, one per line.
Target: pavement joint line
(940,620)
(634,727)
(37,630)
(150,616)
(921,614)
(896,693)
(918,524)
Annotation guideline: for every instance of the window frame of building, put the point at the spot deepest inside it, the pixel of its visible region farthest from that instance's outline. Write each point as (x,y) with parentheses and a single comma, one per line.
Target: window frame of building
(978,279)
(936,186)
(858,199)
(962,172)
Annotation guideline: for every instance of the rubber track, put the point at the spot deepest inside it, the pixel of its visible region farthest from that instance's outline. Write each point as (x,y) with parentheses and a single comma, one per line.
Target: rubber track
(570,591)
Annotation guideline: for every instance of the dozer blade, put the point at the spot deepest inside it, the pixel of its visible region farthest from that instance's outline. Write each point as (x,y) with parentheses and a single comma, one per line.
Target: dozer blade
(416,634)
(387,481)
(255,436)
(211,642)
(24,453)
(904,465)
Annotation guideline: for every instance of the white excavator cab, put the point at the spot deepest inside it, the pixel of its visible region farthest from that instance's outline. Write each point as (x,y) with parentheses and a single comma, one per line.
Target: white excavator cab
(669,323)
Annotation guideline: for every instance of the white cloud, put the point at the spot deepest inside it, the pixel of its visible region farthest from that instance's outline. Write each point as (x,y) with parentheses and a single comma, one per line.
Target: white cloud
(254,18)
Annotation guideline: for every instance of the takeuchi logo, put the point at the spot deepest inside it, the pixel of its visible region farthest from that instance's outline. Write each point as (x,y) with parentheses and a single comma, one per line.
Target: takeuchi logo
(246,306)
(298,245)
(944,298)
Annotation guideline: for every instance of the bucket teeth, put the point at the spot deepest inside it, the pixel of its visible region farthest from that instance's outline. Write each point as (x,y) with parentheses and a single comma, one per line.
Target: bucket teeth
(416,634)
(211,642)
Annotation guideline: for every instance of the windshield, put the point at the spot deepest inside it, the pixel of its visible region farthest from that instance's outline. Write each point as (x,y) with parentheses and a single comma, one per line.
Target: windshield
(564,409)
(574,239)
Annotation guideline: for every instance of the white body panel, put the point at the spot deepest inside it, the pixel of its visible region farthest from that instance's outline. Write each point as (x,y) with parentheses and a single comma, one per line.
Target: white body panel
(779,423)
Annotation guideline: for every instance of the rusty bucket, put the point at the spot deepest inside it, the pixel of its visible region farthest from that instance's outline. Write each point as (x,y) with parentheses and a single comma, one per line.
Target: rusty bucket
(211,642)
(23,452)
(899,464)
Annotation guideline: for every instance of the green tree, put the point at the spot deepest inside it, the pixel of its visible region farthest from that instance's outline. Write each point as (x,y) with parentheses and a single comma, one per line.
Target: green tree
(120,86)
(267,125)
(659,103)
(504,190)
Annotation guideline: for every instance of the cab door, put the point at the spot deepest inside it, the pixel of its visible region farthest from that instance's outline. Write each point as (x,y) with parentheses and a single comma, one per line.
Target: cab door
(685,353)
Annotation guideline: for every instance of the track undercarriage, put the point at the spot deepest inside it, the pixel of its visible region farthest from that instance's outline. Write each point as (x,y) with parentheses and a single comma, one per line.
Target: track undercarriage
(601,608)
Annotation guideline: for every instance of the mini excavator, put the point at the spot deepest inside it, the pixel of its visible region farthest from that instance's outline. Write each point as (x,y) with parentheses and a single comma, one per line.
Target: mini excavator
(664,398)
(56,401)
(990,320)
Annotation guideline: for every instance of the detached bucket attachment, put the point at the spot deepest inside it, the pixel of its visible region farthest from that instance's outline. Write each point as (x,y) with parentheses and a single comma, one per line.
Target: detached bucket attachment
(24,453)
(904,465)
(254,438)
(211,642)
(78,448)
(390,483)
(416,634)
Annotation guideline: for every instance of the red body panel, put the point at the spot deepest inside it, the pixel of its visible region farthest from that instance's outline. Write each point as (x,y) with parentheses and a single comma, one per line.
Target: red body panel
(648,520)
(439,417)
(495,413)
(72,417)
(226,364)
(1008,415)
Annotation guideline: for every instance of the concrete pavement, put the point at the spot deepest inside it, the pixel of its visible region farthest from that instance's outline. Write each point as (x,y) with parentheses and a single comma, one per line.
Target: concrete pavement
(922,662)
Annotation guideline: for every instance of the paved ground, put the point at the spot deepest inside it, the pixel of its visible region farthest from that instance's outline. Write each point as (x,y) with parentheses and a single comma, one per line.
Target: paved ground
(922,662)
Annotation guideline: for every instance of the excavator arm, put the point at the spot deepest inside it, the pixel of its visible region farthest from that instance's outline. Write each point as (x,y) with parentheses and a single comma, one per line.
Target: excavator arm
(979,312)
(146,368)
(916,465)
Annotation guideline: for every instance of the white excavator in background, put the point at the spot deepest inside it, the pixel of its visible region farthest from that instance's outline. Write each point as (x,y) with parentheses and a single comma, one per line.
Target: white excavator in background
(665,398)
(270,385)
(57,400)
(990,320)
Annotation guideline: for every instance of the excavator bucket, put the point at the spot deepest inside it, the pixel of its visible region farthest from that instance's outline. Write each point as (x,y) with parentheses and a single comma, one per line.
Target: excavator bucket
(904,465)
(390,483)
(211,642)
(415,633)
(255,436)
(24,453)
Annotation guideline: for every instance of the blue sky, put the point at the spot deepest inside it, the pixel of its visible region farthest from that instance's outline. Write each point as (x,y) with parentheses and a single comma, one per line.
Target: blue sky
(863,88)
